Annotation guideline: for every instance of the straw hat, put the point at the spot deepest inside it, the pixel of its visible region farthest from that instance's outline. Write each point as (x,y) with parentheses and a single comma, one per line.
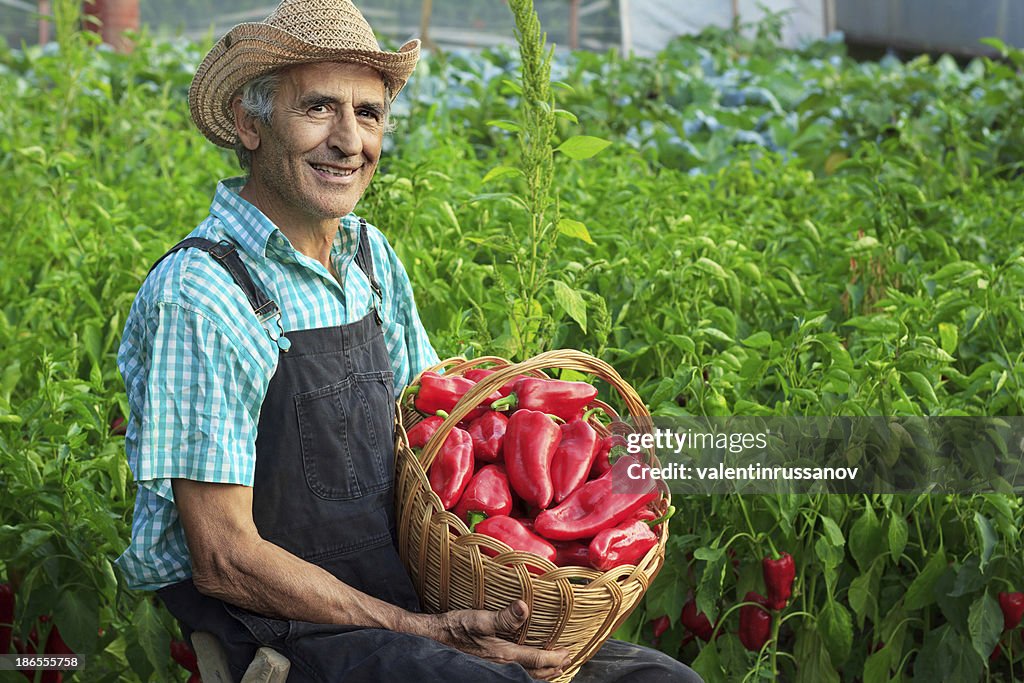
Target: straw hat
(297,32)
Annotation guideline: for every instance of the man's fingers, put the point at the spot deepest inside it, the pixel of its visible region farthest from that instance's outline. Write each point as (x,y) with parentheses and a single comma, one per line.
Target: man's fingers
(535,659)
(510,619)
(544,674)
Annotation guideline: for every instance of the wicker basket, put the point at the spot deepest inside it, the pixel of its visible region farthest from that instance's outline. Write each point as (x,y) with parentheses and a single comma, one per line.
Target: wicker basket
(576,608)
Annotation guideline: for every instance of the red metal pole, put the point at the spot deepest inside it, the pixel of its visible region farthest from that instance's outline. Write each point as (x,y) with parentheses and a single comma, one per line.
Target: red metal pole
(44,25)
(574,24)
(115,17)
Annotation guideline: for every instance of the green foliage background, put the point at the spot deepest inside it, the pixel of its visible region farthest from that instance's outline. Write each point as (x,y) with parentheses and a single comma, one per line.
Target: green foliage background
(769,232)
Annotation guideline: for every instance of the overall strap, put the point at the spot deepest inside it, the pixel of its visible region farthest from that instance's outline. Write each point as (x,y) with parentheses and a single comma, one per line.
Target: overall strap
(364,259)
(225,254)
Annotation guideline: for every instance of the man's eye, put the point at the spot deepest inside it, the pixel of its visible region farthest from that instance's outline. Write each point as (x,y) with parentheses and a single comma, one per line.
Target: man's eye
(318,109)
(370,113)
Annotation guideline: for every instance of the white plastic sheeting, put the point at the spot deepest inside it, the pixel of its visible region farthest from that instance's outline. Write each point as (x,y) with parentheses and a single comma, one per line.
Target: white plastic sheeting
(648,25)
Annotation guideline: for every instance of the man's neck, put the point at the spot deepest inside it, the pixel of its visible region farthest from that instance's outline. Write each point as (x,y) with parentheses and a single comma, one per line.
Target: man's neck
(311,237)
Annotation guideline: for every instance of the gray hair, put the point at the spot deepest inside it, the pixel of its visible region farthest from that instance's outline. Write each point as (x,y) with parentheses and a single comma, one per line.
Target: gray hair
(258,102)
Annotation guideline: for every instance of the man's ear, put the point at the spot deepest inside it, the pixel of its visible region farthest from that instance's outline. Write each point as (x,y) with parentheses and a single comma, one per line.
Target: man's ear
(245,124)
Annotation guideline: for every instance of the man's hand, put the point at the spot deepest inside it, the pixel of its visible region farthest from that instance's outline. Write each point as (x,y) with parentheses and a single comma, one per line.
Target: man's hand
(231,562)
(479,632)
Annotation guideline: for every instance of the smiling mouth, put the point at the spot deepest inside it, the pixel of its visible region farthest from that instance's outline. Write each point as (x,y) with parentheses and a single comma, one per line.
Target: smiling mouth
(333,171)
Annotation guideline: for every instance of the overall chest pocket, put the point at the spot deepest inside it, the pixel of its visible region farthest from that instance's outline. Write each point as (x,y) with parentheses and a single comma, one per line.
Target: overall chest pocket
(346,434)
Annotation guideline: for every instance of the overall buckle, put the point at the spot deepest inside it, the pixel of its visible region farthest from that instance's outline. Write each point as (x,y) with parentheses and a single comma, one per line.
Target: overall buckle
(269,316)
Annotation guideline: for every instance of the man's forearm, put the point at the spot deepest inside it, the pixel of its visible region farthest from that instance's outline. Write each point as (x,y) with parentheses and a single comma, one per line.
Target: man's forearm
(266,579)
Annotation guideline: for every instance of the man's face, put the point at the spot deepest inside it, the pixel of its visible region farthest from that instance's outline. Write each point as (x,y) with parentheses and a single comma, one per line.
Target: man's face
(320,151)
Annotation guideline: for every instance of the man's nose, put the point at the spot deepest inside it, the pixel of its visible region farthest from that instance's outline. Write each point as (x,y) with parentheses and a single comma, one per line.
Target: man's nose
(345,135)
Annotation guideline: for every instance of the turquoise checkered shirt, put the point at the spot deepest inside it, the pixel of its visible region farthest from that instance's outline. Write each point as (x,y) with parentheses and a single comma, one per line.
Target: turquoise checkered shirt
(196,363)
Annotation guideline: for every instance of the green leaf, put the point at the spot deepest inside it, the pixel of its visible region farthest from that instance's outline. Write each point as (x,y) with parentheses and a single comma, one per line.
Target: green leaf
(985,625)
(567,115)
(948,337)
(898,533)
(987,537)
(510,126)
(708,664)
(832,531)
(572,303)
(709,266)
(667,594)
(759,340)
(866,539)
(572,228)
(862,595)
(946,656)
(77,617)
(815,664)
(709,587)
(921,592)
(152,636)
(830,555)
(500,172)
(922,386)
(582,146)
(878,665)
(836,629)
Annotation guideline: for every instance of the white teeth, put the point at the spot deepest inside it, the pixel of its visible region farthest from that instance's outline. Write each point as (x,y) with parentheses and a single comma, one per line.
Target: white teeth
(329,171)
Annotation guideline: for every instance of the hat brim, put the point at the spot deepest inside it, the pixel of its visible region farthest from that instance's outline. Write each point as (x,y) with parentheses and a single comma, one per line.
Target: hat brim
(254,49)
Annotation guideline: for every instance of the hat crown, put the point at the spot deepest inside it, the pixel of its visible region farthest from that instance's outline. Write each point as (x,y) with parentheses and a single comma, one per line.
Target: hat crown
(331,24)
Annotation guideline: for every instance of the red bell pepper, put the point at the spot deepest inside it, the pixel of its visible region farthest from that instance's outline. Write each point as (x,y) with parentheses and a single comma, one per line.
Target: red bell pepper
(118,427)
(778,579)
(55,644)
(696,622)
(504,390)
(1012,605)
(659,626)
(516,536)
(487,493)
(552,396)
(6,617)
(183,655)
(34,647)
(624,544)
(595,506)
(573,458)
(421,432)
(572,553)
(755,623)
(441,392)
(452,467)
(530,443)
(645,514)
(609,449)
(488,432)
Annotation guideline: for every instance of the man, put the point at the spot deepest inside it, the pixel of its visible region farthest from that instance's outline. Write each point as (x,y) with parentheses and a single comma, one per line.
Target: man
(261,359)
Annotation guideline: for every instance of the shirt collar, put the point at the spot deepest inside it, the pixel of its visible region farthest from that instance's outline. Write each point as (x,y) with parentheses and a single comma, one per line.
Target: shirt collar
(244,223)
(253,232)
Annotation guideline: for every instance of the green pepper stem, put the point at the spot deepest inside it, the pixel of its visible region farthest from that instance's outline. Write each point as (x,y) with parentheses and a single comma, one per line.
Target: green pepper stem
(506,403)
(592,411)
(442,414)
(664,518)
(617,452)
(475,517)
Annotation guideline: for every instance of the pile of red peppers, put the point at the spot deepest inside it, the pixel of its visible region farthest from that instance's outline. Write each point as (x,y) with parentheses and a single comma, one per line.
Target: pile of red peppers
(528,468)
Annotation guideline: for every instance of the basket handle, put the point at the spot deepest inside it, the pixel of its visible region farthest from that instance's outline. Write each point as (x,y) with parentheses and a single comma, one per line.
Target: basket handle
(568,359)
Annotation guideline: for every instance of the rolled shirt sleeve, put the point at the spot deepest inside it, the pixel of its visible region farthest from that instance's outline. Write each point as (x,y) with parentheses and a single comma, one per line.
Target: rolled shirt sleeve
(202,398)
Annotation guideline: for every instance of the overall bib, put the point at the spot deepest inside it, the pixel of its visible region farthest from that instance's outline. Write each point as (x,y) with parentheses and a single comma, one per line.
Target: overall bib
(324,491)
